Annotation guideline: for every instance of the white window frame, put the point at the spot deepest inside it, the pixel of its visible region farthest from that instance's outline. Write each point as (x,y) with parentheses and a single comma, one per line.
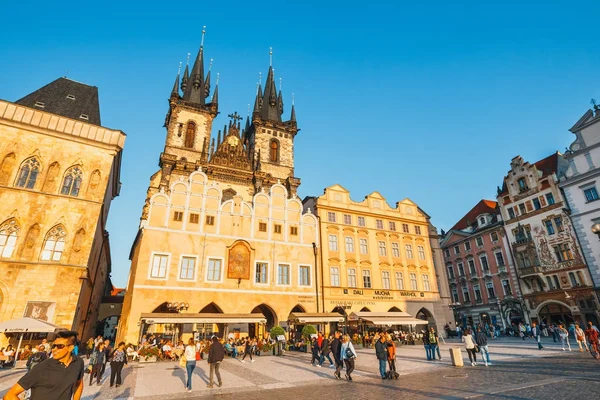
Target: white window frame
(385,276)
(332,281)
(409,250)
(486,261)
(254,272)
(368,271)
(467,246)
(221,273)
(382,248)
(395,250)
(7,248)
(354,274)
(363,242)
(496,258)
(400,275)
(347,219)
(492,238)
(361,221)
(151,263)
(196,259)
(421,251)
(331,242)
(426,283)
(289,274)
(349,245)
(331,217)
(413,280)
(379,224)
(309,277)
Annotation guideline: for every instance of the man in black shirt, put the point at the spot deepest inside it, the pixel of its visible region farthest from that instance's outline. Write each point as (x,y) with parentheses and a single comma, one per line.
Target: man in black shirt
(336,349)
(216,353)
(57,378)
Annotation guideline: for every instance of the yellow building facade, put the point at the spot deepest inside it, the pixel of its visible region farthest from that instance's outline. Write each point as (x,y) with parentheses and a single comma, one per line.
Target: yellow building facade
(59,171)
(223,244)
(376,259)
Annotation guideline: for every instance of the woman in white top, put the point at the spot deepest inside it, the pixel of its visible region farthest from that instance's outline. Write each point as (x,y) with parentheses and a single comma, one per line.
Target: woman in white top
(348,355)
(190,363)
(564,336)
(470,346)
(580,337)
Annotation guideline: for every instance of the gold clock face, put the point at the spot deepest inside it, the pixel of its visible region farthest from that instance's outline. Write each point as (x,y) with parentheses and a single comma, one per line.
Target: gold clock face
(233,141)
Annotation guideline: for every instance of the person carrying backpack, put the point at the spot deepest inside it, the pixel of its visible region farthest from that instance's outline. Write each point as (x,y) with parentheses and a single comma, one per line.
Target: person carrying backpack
(36,358)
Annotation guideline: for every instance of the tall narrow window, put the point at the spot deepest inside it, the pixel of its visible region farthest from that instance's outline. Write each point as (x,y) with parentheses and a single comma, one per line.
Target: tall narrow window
(304,278)
(28,173)
(385,279)
(188,266)
(364,248)
(499,259)
(426,286)
(382,249)
(418,230)
(8,238)
(409,252)
(506,287)
(484,263)
(472,268)
(190,135)
(333,243)
(395,250)
(159,266)
(283,274)
(213,272)
(413,282)
(450,272)
(261,272)
(455,296)
(274,151)
(349,244)
(366,279)
(335,276)
(421,252)
(347,219)
(351,277)
(72,181)
(399,281)
(379,223)
(54,245)
(361,221)
(490,290)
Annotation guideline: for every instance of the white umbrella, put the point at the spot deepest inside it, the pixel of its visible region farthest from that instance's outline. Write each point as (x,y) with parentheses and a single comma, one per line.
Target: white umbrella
(27,325)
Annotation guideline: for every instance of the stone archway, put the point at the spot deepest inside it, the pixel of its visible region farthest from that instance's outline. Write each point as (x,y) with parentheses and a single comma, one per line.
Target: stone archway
(298,308)
(426,315)
(270,316)
(365,309)
(555,313)
(211,308)
(394,309)
(206,330)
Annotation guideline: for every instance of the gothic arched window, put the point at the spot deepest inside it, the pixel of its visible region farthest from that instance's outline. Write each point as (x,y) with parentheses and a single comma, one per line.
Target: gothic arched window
(54,244)
(274,151)
(72,181)
(8,237)
(28,173)
(190,135)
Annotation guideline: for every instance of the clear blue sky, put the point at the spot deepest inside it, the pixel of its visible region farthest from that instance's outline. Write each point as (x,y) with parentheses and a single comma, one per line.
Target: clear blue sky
(428,102)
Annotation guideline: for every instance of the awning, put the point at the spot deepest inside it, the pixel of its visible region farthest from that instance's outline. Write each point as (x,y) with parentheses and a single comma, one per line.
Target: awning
(29,325)
(204,318)
(386,318)
(303,318)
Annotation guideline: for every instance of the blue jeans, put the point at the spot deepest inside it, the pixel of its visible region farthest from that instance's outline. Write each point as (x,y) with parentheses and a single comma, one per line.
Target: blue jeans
(189,367)
(382,365)
(428,352)
(432,349)
(322,360)
(485,351)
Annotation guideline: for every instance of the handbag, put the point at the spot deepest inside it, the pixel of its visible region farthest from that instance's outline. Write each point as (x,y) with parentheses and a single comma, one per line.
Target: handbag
(197,356)
(182,361)
(476,349)
(349,353)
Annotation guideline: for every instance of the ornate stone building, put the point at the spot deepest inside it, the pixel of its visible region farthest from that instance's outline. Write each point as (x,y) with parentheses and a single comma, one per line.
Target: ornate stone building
(480,270)
(553,275)
(377,261)
(581,187)
(59,172)
(223,244)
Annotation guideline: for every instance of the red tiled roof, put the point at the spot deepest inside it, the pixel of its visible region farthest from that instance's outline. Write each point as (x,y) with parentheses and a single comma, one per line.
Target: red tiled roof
(116,291)
(483,207)
(547,165)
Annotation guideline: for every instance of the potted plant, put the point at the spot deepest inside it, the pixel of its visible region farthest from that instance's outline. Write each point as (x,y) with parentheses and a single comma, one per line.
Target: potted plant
(275,332)
(308,330)
(148,354)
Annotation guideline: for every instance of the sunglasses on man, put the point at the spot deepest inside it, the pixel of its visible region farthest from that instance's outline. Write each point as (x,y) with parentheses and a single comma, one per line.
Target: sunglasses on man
(59,346)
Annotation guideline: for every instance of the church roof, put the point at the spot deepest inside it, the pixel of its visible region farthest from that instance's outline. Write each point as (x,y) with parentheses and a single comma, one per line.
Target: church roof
(67,98)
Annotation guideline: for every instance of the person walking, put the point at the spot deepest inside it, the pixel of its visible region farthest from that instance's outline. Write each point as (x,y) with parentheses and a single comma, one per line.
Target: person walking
(247,350)
(325,350)
(190,362)
(537,334)
(481,340)
(433,343)
(314,349)
(97,362)
(216,353)
(591,334)
(564,336)
(580,337)
(118,359)
(56,378)
(336,349)
(89,347)
(381,352)
(554,332)
(391,356)
(107,352)
(348,354)
(469,342)
(426,345)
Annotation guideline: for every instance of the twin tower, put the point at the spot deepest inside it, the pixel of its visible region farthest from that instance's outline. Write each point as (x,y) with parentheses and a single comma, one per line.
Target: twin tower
(243,160)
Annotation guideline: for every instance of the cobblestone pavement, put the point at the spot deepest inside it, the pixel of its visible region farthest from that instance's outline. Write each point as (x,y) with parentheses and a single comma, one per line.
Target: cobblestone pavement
(519,371)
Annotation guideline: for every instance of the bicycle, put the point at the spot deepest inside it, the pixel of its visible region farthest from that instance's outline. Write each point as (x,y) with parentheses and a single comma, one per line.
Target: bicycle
(593,347)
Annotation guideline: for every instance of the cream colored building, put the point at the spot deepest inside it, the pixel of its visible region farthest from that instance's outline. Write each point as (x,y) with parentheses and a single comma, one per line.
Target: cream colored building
(377,259)
(59,171)
(223,245)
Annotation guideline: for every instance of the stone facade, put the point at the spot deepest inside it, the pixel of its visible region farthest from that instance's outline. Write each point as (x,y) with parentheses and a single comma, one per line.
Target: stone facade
(374,257)
(581,187)
(55,255)
(480,270)
(552,272)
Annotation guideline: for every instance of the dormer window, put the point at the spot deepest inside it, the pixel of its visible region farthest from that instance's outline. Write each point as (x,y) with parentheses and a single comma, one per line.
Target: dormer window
(482,221)
(70,97)
(84,116)
(40,104)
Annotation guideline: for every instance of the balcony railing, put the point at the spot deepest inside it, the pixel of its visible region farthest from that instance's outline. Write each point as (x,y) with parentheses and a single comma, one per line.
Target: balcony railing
(501,268)
(530,271)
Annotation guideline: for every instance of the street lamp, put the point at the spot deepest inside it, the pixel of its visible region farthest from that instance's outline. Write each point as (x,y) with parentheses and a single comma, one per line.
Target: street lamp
(178,307)
(596,229)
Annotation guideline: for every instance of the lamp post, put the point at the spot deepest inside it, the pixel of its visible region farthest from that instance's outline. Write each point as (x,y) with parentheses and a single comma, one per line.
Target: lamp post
(596,229)
(343,308)
(177,307)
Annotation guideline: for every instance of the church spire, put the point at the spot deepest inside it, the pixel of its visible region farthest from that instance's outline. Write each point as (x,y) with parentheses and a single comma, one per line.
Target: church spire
(175,91)
(186,75)
(271,106)
(197,91)
(293,117)
(215,98)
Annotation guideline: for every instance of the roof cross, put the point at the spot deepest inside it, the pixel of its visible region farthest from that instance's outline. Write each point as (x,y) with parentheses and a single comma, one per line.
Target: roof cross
(235,117)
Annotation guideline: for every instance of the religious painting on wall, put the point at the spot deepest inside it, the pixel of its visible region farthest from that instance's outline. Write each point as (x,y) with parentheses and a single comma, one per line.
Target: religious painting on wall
(238,266)
(42,310)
